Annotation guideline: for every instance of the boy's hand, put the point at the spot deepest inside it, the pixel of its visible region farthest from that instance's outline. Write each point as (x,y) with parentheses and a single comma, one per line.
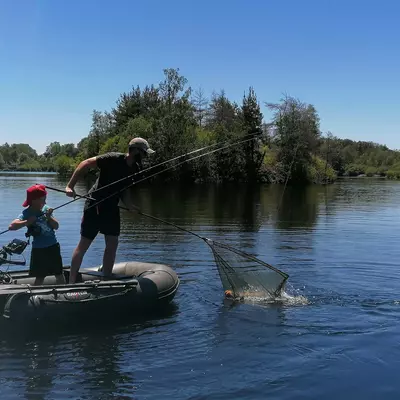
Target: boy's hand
(49,211)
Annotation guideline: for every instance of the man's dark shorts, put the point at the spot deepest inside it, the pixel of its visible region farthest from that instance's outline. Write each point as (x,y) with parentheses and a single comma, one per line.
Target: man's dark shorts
(105,221)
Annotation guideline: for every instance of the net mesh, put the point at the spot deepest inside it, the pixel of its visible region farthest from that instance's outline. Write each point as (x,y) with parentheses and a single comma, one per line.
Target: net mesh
(245,275)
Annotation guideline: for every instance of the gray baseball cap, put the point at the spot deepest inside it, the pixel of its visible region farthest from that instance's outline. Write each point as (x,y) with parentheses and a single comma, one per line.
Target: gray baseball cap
(141,144)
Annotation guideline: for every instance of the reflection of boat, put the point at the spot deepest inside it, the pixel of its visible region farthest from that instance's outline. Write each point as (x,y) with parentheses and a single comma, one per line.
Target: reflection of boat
(134,287)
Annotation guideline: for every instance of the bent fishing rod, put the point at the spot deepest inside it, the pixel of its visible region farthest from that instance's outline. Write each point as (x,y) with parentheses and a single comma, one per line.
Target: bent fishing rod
(56,208)
(253,136)
(159,172)
(78,197)
(148,169)
(208,241)
(143,179)
(205,239)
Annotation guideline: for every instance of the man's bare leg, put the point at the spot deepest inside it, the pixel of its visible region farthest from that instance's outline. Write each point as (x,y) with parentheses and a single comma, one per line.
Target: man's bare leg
(77,257)
(109,254)
(38,281)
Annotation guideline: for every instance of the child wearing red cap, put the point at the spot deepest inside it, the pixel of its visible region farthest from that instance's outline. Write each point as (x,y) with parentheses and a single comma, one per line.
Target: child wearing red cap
(45,255)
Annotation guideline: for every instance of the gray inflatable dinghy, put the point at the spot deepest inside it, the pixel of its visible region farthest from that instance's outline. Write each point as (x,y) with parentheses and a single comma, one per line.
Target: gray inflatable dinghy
(133,288)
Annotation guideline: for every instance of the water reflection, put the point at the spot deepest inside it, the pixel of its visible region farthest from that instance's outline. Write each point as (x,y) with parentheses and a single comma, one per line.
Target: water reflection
(93,360)
(101,367)
(40,358)
(337,242)
(298,207)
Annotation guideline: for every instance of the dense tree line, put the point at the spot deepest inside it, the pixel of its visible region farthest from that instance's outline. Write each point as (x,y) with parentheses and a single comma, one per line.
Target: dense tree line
(289,148)
(22,157)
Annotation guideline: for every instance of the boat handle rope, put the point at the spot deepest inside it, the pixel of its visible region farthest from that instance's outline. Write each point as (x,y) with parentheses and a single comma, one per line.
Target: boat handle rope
(123,292)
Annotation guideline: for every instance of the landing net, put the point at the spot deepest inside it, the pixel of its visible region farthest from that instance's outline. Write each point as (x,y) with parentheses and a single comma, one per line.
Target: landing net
(243,275)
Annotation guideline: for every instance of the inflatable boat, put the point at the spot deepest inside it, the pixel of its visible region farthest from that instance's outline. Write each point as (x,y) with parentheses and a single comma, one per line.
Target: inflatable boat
(133,288)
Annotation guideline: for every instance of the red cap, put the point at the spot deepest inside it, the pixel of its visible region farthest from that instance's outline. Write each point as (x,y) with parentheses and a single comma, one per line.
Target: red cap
(33,193)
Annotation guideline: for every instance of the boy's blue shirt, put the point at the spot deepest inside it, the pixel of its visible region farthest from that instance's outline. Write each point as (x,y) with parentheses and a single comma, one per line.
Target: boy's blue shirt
(47,235)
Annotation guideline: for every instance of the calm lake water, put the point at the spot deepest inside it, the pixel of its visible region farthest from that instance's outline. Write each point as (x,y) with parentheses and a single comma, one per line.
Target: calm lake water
(338,334)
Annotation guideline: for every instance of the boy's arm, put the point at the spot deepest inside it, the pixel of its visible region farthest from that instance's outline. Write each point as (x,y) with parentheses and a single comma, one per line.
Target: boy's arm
(51,221)
(20,222)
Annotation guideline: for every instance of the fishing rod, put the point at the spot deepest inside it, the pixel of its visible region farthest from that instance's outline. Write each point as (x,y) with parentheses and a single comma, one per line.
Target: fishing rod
(159,172)
(223,265)
(207,240)
(56,208)
(253,136)
(78,197)
(150,176)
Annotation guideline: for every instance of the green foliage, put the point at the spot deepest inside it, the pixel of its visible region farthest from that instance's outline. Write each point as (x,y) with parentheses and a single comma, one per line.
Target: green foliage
(318,171)
(351,158)
(297,134)
(289,148)
(64,164)
(252,124)
(30,165)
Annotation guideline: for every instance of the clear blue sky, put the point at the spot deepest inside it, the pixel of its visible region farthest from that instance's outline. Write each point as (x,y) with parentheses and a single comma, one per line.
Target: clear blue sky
(62,59)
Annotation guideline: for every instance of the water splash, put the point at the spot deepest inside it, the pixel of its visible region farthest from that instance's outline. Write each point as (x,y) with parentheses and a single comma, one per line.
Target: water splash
(260,297)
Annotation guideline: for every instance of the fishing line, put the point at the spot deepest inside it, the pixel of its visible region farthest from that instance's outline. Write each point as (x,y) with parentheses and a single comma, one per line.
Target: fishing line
(159,172)
(56,208)
(78,197)
(237,277)
(288,175)
(236,273)
(253,136)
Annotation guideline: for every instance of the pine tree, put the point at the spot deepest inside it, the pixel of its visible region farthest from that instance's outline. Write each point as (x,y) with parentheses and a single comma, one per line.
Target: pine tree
(252,125)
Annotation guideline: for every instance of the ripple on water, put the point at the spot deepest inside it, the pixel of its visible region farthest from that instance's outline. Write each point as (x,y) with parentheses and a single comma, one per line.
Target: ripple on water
(334,329)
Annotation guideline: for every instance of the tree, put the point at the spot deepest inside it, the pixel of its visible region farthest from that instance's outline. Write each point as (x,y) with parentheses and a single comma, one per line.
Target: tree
(225,120)
(134,104)
(223,114)
(69,150)
(53,149)
(101,129)
(252,124)
(200,104)
(297,136)
(22,158)
(135,127)
(174,121)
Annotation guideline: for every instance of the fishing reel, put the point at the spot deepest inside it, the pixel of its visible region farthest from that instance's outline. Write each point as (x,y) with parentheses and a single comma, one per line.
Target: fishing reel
(16,246)
(33,230)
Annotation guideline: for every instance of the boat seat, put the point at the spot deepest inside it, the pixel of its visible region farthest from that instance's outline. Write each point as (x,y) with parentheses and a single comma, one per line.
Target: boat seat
(100,275)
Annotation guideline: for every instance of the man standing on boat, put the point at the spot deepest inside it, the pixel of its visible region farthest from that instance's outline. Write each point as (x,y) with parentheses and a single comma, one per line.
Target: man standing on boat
(105,217)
